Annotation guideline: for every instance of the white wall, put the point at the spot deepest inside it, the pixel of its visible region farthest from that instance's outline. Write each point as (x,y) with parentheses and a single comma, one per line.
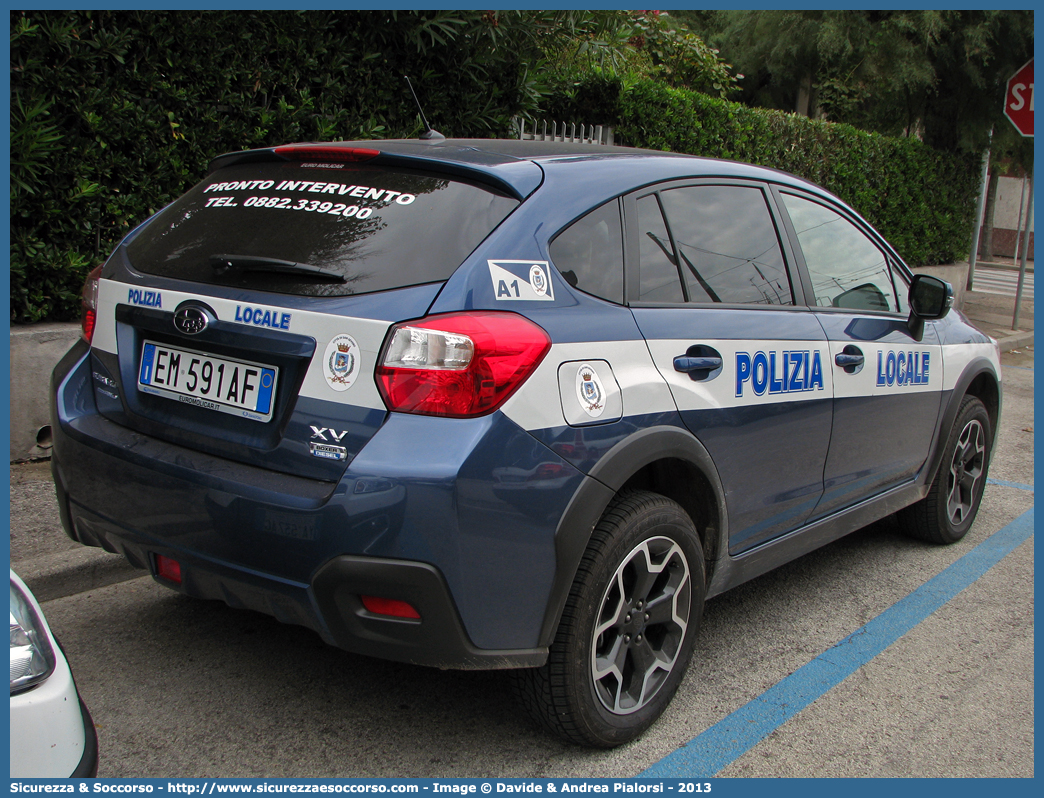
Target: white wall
(1007,208)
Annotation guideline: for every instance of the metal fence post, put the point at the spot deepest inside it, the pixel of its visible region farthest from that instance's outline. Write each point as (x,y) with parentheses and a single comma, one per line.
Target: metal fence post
(978,212)
(1018,222)
(1025,250)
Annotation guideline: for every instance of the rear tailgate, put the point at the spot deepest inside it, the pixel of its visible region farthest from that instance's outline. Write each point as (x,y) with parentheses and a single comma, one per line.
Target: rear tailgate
(245,319)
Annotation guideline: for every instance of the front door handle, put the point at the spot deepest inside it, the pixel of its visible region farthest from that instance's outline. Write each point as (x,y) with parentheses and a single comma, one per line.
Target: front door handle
(844,360)
(850,359)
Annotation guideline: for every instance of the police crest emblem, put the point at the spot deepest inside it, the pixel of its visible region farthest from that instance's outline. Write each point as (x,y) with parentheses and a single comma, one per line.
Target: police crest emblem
(589,391)
(538,280)
(341,362)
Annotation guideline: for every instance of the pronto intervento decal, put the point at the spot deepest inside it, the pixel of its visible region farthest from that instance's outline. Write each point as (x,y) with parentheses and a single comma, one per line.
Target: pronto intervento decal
(359,201)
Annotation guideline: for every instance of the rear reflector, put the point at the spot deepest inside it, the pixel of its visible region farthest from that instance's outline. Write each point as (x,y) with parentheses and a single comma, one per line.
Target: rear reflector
(311,152)
(168,569)
(392,607)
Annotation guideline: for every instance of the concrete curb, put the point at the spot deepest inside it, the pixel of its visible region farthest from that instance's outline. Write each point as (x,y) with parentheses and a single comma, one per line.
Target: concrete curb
(1015,341)
(67,573)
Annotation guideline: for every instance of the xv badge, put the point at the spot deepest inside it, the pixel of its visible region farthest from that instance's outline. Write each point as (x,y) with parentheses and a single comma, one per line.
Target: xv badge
(321,432)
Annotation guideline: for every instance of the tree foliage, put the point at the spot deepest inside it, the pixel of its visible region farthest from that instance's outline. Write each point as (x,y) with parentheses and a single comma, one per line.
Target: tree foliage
(652,45)
(935,75)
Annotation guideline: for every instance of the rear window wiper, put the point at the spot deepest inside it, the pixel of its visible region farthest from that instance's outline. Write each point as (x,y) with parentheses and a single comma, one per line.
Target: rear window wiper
(252,263)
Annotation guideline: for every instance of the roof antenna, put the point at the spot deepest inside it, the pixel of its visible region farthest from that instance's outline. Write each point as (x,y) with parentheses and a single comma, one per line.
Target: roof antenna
(431,134)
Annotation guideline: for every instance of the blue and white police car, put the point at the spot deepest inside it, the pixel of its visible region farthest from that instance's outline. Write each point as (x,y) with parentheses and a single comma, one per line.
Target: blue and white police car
(505,404)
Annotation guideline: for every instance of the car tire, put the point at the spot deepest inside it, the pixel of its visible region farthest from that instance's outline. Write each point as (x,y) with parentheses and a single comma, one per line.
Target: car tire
(627,630)
(946,514)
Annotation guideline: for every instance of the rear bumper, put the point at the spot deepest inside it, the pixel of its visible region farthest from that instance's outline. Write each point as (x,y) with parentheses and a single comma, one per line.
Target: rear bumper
(426,513)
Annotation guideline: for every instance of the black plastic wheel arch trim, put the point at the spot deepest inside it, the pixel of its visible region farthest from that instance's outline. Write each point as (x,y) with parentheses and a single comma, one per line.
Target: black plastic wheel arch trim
(604,480)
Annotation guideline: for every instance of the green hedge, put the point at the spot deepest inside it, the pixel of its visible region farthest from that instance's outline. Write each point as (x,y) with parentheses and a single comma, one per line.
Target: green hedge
(922,200)
(114,114)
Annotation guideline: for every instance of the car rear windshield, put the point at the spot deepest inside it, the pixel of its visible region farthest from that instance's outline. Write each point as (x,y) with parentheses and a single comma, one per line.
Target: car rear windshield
(319,229)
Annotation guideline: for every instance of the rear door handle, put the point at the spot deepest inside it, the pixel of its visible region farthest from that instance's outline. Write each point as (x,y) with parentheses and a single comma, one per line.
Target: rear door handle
(700,362)
(687,365)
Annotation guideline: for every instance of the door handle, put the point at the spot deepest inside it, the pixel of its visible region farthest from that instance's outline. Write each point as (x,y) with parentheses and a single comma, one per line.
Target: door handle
(850,359)
(700,362)
(845,360)
(687,364)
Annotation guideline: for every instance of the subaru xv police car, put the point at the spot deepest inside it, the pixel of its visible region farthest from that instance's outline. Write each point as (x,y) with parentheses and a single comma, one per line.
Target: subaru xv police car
(505,404)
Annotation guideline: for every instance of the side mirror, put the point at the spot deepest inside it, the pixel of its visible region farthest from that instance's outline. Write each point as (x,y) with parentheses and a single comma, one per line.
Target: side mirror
(930,298)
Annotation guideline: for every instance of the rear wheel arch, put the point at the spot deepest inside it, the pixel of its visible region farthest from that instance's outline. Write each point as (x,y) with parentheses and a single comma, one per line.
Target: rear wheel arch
(665,460)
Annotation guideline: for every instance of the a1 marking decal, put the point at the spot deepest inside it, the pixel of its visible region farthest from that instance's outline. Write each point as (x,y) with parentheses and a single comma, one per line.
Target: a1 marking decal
(521,280)
(341,362)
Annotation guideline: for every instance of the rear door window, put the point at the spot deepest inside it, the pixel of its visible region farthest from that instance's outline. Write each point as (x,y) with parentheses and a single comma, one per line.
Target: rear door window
(274,226)
(659,280)
(727,244)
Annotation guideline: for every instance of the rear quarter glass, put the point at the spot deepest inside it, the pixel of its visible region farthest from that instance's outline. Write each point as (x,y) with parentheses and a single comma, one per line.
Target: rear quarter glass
(379,228)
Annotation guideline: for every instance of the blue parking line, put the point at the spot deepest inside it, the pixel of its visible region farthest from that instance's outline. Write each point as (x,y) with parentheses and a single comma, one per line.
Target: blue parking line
(730,738)
(1006,484)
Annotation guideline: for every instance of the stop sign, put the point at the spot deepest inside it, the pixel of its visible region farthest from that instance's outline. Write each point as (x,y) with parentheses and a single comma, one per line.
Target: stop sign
(1018,101)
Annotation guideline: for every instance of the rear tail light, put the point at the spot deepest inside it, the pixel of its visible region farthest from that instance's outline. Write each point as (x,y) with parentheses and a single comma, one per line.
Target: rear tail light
(391,607)
(89,304)
(313,152)
(459,365)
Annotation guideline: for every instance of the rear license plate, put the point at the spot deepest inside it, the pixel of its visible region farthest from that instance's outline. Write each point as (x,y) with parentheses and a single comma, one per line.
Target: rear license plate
(229,386)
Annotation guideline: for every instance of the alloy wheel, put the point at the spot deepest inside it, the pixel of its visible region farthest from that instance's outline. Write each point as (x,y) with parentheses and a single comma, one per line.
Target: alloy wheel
(641,625)
(966,471)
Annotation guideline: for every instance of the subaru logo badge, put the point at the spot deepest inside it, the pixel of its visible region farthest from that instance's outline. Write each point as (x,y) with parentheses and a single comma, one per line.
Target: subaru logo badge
(190,320)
